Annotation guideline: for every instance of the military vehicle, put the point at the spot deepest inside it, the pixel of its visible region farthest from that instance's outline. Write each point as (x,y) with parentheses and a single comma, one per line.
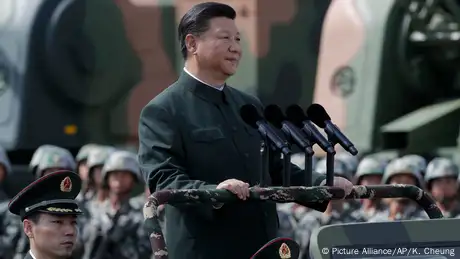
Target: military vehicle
(387,73)
(405,234)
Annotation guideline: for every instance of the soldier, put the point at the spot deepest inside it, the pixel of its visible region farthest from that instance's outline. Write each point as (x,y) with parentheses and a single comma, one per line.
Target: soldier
(370,172)
(9,223)
(338,211)
(401,171)
(441,180)
(417,161)
(117,231)
(47,159)
(95,162)
(81,159)
(48,210)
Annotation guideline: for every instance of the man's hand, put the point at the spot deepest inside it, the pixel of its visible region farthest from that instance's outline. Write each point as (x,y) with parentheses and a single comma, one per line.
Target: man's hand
(240,188)
(342,183)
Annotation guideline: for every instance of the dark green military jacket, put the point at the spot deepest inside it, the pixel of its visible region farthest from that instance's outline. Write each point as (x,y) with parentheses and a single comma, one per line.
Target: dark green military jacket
(191,137)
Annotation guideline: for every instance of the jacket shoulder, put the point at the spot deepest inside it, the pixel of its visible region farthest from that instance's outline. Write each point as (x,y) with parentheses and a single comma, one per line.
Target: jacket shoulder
(168,99)
(245,98)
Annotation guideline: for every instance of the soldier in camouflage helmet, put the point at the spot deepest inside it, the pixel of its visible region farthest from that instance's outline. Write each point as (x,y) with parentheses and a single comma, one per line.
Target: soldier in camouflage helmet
(369,172)
(95,162)
(10,230)
(401,171)
(82,167)
(118,221)
(441,180)
(417,161)
(337,212)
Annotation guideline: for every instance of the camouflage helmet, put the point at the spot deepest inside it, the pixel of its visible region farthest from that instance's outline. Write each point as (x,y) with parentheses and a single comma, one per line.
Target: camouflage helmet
(440,167)
(402,166)
(84,151)
(350,161)
(5,161)
(55,158)
(38,155)
(418,161)
(369,166)
(340,168)
(122,161)
(97,156)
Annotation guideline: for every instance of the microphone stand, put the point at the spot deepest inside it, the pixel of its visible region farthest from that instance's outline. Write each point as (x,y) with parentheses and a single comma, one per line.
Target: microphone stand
(264,149)
(308,170)
(330,157)
(286,169)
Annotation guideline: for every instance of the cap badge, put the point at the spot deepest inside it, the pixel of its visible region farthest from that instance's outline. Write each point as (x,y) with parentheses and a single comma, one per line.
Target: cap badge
(284,251)
(66,185)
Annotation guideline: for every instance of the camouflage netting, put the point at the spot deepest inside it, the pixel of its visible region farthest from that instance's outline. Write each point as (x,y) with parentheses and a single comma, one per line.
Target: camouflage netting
(299,195)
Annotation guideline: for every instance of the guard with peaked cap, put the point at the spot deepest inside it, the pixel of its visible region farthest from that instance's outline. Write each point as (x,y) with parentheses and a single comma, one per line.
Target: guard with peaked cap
(284,248)
(48,210)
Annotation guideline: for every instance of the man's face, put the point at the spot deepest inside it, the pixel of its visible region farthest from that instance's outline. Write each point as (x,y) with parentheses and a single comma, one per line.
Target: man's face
(53,235)
(371,180)
(218,49)
(83,171)
(444,187)
(120,182)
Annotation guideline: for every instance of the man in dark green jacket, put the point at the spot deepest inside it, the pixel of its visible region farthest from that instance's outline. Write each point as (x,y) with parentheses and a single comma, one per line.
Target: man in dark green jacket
(191,137)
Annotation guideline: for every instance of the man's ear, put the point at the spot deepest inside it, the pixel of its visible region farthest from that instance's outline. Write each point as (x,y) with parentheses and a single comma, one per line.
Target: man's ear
(190,43)
(28,224)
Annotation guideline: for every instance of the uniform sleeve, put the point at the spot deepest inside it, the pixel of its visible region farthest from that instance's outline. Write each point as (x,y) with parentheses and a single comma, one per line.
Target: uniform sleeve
(162,156)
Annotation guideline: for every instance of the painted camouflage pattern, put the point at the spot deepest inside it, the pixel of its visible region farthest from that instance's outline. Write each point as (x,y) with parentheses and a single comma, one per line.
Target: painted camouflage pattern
(275,194)
(396,234)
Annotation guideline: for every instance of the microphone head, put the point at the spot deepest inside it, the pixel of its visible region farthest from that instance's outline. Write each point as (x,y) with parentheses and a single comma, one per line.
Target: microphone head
(295,114)
(274,115)
(318,115)
(250,115)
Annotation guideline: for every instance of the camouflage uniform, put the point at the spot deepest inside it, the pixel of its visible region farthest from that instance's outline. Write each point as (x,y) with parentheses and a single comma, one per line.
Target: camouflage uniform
(49,157)
(341,211)
(10,230)
(367,167)
(122,229)
(411,210)
(443,168)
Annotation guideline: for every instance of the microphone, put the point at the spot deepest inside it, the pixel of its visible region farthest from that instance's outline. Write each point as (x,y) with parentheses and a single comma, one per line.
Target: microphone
(296,115)
(251,116)
(319,116)
(275,116)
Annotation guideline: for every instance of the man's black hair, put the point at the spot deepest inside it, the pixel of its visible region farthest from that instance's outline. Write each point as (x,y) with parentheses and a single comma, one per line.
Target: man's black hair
(34,217)
(196,20)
